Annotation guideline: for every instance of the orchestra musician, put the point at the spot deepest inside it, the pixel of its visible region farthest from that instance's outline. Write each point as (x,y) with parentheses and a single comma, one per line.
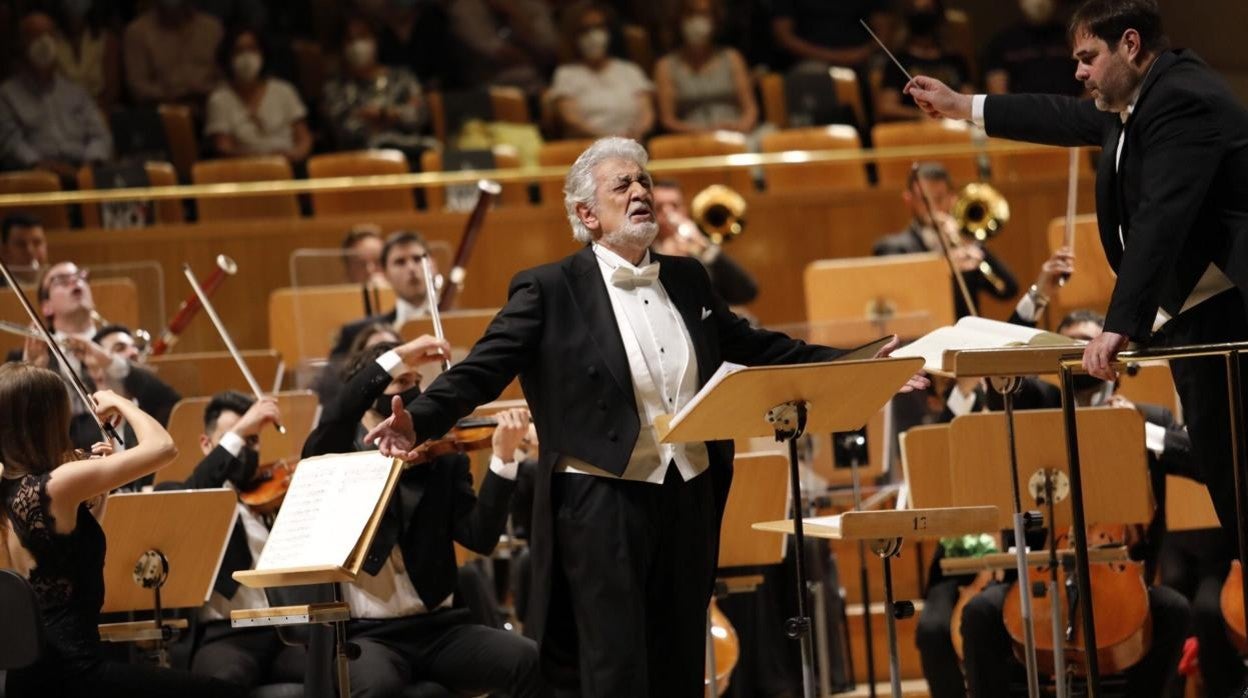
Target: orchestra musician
(679,235)
(625,529)
(1172,200)
(23,244)
(400,262)
(408,620)
(50,499)
(361,253)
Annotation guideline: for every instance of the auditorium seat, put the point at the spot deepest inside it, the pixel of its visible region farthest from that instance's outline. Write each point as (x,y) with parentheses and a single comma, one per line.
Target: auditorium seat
(843,84)
(822,175)
(181,136)
(694,145)
(502,156)
(559,154)
(496,103)
(360,163)
(261,168)
(53,217)
(22,638)
(849,92)
(159,174)
(895,173)
(1047,163)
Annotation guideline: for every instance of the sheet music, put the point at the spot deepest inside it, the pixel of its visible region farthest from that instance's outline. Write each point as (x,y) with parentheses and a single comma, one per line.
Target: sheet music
(323,516)
(974,333)
(725,369)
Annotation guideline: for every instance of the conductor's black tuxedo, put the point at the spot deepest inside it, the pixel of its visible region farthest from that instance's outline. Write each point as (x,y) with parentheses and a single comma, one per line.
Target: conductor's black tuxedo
(1179,193)
(558,331)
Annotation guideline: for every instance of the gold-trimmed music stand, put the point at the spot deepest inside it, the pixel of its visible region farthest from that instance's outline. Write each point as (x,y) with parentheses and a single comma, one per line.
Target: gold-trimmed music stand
(164,550)
(785,401)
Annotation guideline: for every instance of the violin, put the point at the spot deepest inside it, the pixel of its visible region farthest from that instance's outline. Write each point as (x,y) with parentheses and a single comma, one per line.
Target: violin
(727,651)
(1119,605)
(268,488)
(468,435)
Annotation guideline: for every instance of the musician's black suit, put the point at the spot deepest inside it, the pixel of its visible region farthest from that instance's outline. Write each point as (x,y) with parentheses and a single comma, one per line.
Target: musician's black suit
(910,241)
(1180,195)
(559,333)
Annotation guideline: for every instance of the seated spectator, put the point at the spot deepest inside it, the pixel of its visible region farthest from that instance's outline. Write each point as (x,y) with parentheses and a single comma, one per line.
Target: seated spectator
(361,253)
(923,54)
(417,36)
(598,95)
(702,86)
(46,121)
(818,33)
(505,42)
(23,245)
(372,105)
(252,113)
(87,51)
(1032,56)
(170,53)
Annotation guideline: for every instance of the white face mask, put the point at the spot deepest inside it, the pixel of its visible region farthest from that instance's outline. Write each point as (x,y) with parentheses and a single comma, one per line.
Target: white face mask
(697,30)
(247,65)
(42,51)
(593,44)
(1037,11)
(361,52)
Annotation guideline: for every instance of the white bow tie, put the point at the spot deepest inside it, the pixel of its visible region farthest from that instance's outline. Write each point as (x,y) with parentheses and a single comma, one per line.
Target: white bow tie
(627,278)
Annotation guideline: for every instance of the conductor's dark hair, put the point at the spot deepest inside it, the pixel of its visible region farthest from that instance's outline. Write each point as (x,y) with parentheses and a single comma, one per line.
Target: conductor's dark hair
(1110,19)
(1077,317)
(227,401)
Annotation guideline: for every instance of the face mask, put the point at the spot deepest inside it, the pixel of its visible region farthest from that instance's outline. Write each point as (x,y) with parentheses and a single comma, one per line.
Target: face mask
(42,51)
(361,52)
(382,404)
(923,23)
(76,9)
(247,65)
(593,44)
(697,30)
(1037,11)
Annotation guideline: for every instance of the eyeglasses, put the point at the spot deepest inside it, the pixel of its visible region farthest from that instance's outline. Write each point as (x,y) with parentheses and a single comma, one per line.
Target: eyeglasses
(68,279)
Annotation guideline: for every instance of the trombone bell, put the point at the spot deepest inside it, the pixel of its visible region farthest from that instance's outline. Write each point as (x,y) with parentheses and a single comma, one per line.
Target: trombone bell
(720,212)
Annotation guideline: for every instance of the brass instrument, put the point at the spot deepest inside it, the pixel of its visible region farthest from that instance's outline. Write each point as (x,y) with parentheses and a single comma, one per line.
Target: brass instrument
(719,212)
(981,213)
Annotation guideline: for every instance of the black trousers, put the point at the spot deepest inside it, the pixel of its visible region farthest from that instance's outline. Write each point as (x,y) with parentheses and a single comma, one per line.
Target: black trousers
(941,666)
(248,658)
(106,679)
(459,656)
(634,564)
(989,652)
(1201,384)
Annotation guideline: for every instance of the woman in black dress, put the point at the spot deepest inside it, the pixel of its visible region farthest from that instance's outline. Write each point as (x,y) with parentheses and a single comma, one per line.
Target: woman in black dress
(50,498)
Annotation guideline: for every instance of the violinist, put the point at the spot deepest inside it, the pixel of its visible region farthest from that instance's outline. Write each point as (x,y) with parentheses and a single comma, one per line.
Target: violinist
(407,619)
(50,499)
(246,657)
(932,179)
(401,263)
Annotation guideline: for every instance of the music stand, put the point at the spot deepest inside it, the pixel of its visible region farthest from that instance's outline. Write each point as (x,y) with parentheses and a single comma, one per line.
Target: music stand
(784,401)
(164,550)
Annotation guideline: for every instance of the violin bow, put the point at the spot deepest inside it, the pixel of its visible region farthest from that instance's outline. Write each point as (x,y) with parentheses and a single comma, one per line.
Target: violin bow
(53,346)
(225,337)
(435,315)
(1072,197)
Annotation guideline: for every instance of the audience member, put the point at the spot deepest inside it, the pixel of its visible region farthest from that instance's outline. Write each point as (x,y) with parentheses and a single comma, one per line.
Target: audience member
(372,105)
(361,252)
(598,95)
(417,36)
(817,33)
(23,243)
(170,53)
(401,262)
(680,236)
(923,54)
(1032,55)
(87,50)
(252,113)
(505,42)
(703,86)
(46,121)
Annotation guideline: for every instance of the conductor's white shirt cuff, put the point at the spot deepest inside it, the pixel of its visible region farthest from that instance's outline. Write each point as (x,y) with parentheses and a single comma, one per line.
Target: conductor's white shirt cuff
(507,470)
(391,363)
(232,443)
(977,109)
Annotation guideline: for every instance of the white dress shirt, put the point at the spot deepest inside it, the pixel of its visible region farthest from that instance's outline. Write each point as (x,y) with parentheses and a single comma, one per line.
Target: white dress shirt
(404,311)
(218,607)
(664,371)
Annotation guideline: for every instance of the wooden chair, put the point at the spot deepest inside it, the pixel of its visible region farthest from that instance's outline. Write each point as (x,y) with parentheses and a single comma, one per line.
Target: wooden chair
(775,110)
(849,92)
(513,193)
(181,137)
(775,100)
(54,217)
(22,640)
(207,373)
(1049,163)
(694,145)
(895,173)
(821,176)
(304,322)
(359,163)
(1093,281)
(505,104)
(159,174)
(260,168)
(300,411)
(559,154)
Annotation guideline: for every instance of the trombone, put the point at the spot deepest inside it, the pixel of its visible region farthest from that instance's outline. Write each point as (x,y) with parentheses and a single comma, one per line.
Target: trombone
(981,213)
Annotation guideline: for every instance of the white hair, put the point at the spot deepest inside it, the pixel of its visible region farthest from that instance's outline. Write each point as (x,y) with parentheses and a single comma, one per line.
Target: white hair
(580,187)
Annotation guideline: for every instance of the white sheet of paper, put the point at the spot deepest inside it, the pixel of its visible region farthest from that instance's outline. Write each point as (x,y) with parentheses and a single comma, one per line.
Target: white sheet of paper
(725,369)
(968,333)
(330,501)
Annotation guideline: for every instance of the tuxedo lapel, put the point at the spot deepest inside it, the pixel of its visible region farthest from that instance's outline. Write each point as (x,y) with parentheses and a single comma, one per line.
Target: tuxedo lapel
(589,294)
(690,311)
(1107,198)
